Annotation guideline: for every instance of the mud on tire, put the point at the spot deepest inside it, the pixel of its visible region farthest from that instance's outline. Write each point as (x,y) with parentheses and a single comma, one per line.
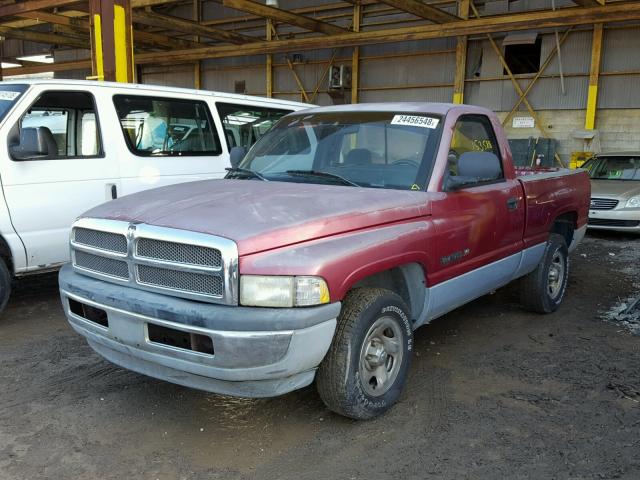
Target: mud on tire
(365,369)
(543,289)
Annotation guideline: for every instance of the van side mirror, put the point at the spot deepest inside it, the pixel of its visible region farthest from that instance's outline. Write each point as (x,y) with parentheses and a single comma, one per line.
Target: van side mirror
(236,155)
(33,142)
(473,168)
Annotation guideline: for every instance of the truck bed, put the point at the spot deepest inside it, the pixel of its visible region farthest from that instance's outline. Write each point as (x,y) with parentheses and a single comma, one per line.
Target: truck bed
(550,192)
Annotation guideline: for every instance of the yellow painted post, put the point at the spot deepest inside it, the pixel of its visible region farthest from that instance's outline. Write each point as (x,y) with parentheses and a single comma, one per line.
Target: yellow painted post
(594,75)
(461,56)
(98,60)
(112,40)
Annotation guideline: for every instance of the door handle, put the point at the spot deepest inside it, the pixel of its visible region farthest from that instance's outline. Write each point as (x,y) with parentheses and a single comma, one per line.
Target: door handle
(512,203)
(111,190)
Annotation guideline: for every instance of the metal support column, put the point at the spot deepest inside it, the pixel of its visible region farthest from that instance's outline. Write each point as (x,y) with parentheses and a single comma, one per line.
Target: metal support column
(594,75)
(111,40)
(355,56)
(197,73)
(461,56)
(269,65)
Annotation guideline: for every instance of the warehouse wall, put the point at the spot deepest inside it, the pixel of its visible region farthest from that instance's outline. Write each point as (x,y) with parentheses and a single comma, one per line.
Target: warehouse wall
(617,130)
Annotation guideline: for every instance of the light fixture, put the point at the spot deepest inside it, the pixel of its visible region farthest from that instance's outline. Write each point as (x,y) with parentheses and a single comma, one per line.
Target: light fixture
(272,3)
(10,65)
(37,58)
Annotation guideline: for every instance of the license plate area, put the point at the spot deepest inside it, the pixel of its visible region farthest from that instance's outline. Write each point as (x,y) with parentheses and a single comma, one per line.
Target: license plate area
(174,338)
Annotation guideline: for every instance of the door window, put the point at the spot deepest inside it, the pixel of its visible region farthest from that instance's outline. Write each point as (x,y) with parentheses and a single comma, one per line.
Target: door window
(58,125)
(473,133)
(167,127)
(245,124)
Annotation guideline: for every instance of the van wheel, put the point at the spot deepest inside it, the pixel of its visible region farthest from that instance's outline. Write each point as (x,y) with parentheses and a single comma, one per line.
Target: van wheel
(543,289)
(365,369)
(5,285)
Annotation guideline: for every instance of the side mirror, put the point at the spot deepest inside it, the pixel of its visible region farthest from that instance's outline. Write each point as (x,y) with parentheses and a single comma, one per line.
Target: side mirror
(33,142)
(236,155)
(474,167)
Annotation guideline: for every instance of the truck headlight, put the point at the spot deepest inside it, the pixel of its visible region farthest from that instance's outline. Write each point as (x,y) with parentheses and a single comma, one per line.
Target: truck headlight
(634,202)
(281,291)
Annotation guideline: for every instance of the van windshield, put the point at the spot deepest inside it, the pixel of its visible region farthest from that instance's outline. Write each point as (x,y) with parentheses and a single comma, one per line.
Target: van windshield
(9,95)
(392,150)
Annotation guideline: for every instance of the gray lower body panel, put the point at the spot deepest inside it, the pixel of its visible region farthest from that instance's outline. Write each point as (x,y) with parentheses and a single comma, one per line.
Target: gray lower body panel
(279,354)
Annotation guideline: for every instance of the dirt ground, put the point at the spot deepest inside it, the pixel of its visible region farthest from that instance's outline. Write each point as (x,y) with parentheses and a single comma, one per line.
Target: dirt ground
(493,392)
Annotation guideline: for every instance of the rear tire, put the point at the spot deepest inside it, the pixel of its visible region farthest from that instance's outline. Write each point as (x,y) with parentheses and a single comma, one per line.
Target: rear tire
(543,289)
(5,285)
(365,369)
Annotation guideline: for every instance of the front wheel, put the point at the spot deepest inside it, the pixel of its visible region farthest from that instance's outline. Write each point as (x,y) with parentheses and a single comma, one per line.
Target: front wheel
(365,369)
(543,289)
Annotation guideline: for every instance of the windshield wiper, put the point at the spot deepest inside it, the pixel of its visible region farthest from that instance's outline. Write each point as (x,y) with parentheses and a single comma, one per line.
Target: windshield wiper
(316,173)
(246,171)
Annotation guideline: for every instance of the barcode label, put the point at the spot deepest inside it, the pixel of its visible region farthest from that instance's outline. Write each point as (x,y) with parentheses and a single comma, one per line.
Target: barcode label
(415,121)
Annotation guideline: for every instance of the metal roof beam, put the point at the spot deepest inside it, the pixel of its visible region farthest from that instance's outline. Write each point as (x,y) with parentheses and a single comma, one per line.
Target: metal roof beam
(188,26)
(284,16)
(40,37)
(614,12)
(82,25)
(422,10)
(589,3)
(31,5)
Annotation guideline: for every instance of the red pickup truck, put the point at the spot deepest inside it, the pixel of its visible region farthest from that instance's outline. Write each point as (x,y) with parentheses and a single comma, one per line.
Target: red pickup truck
(339,233)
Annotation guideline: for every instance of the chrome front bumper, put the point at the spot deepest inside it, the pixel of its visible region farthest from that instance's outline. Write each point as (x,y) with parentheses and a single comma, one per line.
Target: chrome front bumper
(621,220)
(280,356)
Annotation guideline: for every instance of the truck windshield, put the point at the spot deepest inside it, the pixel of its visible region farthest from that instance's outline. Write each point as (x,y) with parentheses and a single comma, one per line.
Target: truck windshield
(614,168)
(368,149)
(9,94)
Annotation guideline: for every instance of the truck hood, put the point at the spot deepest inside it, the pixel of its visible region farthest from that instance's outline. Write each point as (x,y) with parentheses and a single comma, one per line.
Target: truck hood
(261,216)
(623,189)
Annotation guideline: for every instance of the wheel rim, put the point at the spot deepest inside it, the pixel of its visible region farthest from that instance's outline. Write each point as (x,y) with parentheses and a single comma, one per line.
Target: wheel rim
(381,356)
(555,279)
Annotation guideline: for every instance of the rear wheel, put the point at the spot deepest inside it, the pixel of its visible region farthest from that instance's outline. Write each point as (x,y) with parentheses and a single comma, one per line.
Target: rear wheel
(365,369)
(5,284)
(543,289)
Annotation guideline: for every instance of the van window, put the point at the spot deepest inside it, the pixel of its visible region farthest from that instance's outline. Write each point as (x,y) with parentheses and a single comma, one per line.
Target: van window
(58,125)
(245,124)
(171,127)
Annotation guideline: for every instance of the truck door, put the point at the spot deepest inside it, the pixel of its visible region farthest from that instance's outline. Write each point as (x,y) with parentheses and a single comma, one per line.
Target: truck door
(480,222)
(56,168)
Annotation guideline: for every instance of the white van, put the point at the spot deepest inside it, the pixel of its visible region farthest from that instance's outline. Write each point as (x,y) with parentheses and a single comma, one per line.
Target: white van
(66,146)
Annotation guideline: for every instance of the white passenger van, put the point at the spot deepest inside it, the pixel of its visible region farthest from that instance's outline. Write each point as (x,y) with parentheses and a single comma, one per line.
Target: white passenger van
(67,146)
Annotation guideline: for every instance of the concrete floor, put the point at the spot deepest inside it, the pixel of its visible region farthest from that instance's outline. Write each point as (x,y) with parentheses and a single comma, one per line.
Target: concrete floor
(494,392)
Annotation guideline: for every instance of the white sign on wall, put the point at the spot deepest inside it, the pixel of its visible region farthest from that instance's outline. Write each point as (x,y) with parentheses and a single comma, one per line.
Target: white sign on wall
(523,122)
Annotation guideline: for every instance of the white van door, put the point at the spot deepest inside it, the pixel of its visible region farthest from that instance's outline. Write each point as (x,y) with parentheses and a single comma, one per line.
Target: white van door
(171,139)
(166,140)
(55,169)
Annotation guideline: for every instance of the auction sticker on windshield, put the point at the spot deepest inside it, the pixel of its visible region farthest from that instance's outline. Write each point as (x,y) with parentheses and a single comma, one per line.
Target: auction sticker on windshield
(7,95)
(415,121)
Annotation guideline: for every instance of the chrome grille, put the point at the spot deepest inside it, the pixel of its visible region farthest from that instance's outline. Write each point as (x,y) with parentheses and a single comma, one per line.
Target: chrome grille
(603,203)
(113,242)
(178,253)
(103,265)
(180,280)
(174,262)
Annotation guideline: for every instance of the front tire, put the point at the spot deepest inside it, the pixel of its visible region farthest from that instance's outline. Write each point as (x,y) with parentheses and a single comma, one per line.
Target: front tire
(366,367)
(543,289)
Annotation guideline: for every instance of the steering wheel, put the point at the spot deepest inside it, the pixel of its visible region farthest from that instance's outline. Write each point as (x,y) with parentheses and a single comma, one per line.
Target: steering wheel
(405,162)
